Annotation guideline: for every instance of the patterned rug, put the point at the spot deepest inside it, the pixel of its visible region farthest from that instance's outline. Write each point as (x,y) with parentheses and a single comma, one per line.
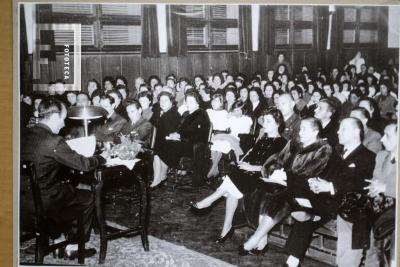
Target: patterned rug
(129,252)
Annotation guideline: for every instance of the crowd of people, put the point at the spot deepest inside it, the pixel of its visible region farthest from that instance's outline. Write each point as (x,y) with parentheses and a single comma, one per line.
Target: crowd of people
(296,144)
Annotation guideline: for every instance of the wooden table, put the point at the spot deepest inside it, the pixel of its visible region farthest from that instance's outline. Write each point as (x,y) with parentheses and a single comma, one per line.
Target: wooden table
(139,178)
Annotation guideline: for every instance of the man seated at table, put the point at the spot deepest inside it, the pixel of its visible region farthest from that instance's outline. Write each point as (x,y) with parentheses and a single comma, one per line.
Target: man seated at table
(49,152)
(137,125)
(114,122)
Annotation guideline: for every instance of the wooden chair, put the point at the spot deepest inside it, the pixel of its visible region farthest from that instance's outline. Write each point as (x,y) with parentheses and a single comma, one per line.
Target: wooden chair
(187,163)
(43,225)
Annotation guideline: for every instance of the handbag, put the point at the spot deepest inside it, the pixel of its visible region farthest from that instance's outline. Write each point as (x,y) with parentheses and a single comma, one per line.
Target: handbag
(383,208)
(355,206)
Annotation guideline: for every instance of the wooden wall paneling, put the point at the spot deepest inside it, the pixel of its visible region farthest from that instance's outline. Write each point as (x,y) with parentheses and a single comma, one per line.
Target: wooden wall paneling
(199,64)
(183,67)
(130,68)
(232,62)
(91,69)
(164,67)
(150,66)
(217,61)
(244,62)
(172,67)
(110,65)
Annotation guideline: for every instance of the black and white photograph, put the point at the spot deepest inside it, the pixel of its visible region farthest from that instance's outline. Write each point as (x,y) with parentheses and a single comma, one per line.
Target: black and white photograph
(204,135)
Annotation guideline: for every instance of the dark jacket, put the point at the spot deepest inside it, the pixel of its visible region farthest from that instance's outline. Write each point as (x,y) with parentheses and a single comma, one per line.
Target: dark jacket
(195,127)
(350,177)
(292,127)
(49,152)
(142,128)
(166,123)
(330,133)
(110,128)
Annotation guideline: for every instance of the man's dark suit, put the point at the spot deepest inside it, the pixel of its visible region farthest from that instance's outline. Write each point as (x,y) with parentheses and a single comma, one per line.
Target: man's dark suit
(347,175)
(49,152)
(110,128)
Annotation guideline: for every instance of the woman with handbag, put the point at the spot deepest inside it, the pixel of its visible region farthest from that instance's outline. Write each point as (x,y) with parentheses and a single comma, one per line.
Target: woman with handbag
(382,189)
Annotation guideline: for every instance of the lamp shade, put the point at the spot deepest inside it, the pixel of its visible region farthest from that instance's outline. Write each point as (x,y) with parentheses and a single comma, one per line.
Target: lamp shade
(86,113)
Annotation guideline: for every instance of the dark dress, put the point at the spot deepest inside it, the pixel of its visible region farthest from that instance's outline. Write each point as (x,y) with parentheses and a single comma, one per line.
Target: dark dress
(193,129)
(165,123)
(250,184)
(255,114)
(246,181)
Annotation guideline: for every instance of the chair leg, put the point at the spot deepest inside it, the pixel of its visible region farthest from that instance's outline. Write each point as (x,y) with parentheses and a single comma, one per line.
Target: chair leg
(101,223)
(81,242)
(42,244)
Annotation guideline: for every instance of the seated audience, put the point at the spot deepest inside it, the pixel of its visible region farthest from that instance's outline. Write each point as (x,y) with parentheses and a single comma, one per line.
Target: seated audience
(385,101)
(371,137)
(244,178)
(145,99)
(383,183)
(237,123)
(193,130)
(108,84)
(137,126)
(294,165)
(113,123)
(166,122)
(230,98)
(327,114)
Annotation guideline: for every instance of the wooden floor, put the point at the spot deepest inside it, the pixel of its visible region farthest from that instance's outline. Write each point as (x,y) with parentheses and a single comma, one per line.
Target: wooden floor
(172,221)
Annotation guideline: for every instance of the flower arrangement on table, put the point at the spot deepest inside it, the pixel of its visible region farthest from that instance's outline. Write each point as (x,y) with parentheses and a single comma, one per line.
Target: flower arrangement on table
(127,149)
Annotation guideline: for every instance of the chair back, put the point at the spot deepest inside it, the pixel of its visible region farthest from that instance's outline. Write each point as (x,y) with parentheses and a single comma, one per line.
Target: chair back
(28,169)
(153,138)
(210,132)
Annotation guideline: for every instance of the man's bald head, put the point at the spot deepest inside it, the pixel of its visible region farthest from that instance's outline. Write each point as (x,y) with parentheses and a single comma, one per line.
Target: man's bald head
(351,130)
(286,105)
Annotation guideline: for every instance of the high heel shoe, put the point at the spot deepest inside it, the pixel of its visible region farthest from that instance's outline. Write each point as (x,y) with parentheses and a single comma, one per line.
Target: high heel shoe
(197,211)
(243,252)
(259,252)
(158,186)
(222,239)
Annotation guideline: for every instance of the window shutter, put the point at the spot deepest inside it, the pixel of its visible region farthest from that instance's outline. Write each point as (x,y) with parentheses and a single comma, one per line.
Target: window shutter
(349,36)
(121,9)
(196,36)
(303,36)
(368,36)
(195,11)
(84,9)
(232,36)
(369,15)
(303,13)
(282,36)
(122,35)
(281,13)
(218,12)
(350,14)
(62,37)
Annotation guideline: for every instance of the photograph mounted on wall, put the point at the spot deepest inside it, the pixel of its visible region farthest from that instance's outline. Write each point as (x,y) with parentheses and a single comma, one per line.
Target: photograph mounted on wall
(176,134)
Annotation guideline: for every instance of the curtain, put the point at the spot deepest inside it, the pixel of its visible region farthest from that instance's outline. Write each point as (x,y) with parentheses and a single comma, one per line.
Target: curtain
(266,38)
(245,36)
(177,40)
(150,45)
